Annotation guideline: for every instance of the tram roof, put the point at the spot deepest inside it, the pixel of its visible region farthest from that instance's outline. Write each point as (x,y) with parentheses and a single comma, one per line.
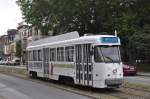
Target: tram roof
(62,37)
(72,37)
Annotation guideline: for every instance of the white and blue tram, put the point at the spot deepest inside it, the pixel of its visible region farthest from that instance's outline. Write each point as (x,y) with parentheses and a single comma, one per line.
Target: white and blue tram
(88,60)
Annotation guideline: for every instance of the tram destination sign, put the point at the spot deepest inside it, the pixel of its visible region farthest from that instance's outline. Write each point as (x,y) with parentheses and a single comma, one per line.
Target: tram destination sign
(109,39)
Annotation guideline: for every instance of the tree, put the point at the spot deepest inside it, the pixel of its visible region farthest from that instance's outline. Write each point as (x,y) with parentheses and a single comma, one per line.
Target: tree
(129,17)
(18,49)
(68,15)
(139,44)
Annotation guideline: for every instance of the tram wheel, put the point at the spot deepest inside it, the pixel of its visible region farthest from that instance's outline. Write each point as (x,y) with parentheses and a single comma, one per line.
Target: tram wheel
(33,74)
(66,80)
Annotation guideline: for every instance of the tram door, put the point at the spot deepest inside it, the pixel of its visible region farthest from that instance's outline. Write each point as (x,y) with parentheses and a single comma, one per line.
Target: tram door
(83,63)
(46,61)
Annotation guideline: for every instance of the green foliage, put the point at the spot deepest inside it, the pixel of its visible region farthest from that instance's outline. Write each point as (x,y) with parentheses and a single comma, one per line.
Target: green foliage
(139,44)
(131,18)
(18,49)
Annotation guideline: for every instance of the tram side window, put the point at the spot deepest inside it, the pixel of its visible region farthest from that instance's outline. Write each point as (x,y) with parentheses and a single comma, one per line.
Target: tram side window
(52,54)
(34,55)
(86,53)
(30,56)
(60,54)
(39,55)
(69,53)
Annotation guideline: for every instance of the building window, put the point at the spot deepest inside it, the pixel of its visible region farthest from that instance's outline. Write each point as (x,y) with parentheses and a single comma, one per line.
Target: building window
(25,33)
(69,53)
(52,54)
(60,54)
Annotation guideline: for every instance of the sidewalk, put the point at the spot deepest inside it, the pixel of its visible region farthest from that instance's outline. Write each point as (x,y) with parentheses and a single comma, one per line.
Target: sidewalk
(144,74)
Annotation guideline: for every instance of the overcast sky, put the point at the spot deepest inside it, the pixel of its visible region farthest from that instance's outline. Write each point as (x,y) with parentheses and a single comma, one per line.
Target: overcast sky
(10,15)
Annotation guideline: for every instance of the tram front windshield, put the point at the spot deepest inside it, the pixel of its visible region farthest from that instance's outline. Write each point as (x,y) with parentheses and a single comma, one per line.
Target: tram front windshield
(107,54)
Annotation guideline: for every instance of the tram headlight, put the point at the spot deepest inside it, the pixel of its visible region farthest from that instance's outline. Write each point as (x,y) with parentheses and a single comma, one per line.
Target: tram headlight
(115,71)
(108,75)
(96,75)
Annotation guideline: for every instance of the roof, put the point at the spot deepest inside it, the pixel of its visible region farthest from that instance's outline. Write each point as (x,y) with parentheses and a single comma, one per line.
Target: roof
(70,38)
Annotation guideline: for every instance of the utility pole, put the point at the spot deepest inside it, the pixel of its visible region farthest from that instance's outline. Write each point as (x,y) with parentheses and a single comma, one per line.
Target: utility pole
(115,32)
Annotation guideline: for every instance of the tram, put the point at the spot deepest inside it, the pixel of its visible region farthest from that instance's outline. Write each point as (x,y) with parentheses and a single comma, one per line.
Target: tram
(92,60)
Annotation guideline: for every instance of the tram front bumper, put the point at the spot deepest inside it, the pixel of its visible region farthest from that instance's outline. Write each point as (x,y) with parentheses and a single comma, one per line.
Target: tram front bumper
(114,82)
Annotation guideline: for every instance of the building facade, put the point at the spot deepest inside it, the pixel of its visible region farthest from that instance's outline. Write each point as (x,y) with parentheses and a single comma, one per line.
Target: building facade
(24,34)
(3,41)
(27,34)
(6,50)
(9,44)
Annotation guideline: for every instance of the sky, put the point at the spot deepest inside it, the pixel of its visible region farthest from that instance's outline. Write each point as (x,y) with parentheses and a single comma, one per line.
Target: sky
(10,15)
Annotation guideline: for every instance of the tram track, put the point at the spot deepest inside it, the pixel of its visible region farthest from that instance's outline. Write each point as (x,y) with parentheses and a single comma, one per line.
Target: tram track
(125,92)
(138,87)
(129,93)
(132,92)
(73,89)
(121,93)
(127,96)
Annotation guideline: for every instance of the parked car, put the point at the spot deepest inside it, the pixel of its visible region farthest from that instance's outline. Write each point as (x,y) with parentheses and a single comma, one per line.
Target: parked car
(4,62)
(11,63)
(129,70)
(16,61)
(1,62)
(7,62)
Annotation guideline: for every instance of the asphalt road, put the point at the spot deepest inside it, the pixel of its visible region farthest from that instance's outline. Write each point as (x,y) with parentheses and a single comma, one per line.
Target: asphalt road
(16,88)
(144,80)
